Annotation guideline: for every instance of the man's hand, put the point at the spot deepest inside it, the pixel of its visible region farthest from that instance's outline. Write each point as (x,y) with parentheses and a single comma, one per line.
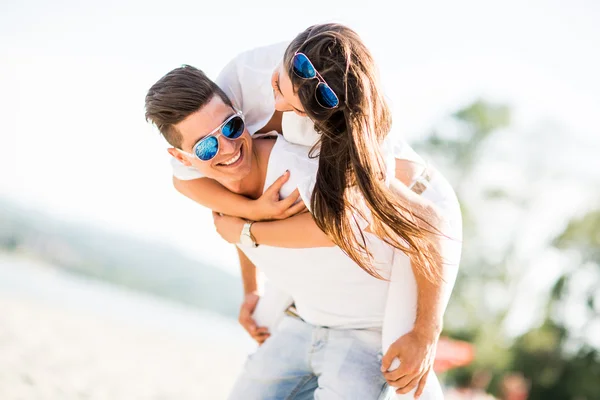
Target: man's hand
(230,228)
(416,352)
(260,334)
(269,207)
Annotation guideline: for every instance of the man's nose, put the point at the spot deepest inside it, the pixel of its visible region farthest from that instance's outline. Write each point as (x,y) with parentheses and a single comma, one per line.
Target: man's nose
(227,146)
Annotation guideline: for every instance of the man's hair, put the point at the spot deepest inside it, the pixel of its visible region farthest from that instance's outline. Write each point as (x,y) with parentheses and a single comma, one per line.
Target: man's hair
(175,96)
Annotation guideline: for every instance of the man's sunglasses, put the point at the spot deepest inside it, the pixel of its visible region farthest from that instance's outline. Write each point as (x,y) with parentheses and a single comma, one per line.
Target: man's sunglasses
(305,69)
(208,147)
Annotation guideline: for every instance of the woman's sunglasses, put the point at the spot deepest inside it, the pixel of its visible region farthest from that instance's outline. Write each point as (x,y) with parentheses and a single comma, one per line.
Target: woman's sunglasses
(208,147)
(305,69)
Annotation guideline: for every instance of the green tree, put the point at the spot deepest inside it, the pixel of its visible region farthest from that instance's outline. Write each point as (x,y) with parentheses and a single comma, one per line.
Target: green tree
(556,357)
(559,359)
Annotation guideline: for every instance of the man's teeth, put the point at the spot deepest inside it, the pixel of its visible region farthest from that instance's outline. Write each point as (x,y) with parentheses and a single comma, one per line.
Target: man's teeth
(233,159)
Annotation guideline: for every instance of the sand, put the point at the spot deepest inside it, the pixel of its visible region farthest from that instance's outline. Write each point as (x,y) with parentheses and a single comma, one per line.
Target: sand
(50,350)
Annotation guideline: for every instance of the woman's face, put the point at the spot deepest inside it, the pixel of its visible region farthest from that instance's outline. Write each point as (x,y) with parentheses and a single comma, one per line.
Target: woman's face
(283,91)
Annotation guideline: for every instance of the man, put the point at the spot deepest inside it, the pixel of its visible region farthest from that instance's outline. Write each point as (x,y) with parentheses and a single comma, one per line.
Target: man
(238,166)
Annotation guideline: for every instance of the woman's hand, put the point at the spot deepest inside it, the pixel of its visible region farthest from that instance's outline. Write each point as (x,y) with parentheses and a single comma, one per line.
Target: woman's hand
(230,228)
(269,207)
(416,352)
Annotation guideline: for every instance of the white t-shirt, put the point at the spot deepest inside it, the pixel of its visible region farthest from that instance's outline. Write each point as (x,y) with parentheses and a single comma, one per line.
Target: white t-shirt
(328,288)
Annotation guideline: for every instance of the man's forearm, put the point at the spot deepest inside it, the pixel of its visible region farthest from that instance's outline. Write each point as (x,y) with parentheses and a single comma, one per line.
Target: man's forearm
(430,308)
(430,311)
(248,271)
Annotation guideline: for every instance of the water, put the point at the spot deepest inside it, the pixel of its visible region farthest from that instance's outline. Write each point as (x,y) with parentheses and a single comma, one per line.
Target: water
(26,279)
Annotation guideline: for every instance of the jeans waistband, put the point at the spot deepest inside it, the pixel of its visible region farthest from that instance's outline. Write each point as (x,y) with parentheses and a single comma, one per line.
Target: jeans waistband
(292,312)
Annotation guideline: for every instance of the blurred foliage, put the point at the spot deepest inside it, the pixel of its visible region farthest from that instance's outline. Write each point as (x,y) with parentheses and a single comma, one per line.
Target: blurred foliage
(555,358)
(475,125)
(582,235)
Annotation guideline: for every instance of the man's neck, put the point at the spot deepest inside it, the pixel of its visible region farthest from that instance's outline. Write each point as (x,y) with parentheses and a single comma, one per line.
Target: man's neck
(252,185)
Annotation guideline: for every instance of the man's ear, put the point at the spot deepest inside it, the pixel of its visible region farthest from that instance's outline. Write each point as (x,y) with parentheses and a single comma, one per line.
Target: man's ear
(182,158)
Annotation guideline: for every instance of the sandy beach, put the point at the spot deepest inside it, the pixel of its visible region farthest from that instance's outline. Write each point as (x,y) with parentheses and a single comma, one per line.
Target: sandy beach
(63,337)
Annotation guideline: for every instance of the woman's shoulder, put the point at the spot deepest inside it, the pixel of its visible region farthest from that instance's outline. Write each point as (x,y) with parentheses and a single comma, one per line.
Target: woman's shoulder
(264,56)
(246,80)
(259,59)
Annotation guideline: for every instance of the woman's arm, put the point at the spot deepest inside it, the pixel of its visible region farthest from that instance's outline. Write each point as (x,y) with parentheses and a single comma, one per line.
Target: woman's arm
(301,231)
(297,232)
(209,193)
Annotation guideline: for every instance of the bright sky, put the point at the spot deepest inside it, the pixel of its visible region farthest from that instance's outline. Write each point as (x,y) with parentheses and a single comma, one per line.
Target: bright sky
(73,77)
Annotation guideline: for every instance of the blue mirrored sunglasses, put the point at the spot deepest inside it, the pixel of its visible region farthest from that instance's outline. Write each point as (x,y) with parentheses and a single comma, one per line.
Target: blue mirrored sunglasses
(305,69)
(208,147)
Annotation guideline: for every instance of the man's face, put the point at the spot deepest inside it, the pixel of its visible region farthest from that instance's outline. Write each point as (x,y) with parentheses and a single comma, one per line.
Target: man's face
(233,160)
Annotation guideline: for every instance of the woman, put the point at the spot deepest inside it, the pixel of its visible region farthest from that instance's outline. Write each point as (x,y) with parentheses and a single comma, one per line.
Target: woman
(328,75)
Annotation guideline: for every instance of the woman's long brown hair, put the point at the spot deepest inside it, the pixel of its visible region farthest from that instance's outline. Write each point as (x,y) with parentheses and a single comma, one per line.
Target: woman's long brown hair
(351,166)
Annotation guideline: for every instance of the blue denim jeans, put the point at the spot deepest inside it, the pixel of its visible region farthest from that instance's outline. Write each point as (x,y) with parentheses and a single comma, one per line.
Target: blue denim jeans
(301,361)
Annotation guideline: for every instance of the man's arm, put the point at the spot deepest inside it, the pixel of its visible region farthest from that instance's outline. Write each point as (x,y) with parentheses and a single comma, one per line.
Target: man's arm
(416,349)
(251,298)
(429,300)
(248,272)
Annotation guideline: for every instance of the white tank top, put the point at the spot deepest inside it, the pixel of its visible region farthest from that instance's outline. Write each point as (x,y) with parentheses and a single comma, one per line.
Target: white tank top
(328,288)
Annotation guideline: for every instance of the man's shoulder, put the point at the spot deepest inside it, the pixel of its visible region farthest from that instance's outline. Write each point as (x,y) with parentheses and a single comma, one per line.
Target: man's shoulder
(263,144)
(300,156)
(281,153)
(301,161)
(282,156)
